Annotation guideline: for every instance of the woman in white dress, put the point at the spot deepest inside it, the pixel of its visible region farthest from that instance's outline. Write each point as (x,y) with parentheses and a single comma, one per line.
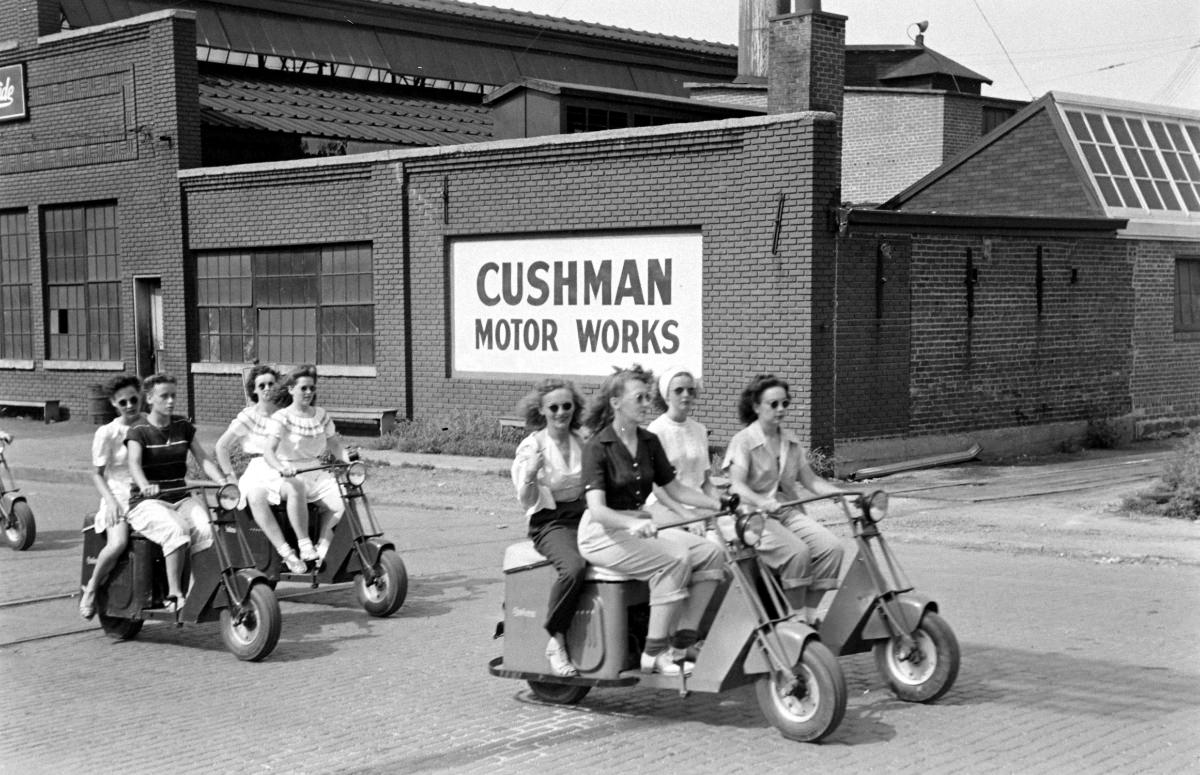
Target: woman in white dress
(112,479)
(304,432)
(260,484)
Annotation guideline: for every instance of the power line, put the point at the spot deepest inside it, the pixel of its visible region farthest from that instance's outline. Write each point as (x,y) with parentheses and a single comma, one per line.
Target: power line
(1003,48)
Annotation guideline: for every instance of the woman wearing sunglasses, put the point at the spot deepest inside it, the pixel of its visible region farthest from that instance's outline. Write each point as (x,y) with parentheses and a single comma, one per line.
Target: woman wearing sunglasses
(685,442)
(261,485)
(622,463)
(112,480)
(546,473)
(764,461)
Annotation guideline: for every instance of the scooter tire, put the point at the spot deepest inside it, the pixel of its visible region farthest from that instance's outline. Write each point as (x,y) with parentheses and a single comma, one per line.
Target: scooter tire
(809,718)
(559,694)
(255,636)
(930,678)
(21,529)
(118,628)
(386,595)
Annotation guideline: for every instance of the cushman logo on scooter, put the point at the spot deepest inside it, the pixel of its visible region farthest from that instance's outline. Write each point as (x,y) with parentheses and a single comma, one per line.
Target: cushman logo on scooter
(525,613)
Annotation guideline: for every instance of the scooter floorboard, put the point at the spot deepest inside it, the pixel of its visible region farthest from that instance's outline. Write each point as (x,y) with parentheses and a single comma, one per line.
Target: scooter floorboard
(496,668)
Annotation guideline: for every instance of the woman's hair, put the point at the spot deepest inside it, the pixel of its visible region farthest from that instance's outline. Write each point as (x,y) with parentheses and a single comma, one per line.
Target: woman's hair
(530,407)
(154,380)
(753,392)
(599,410)
(120,382)
(280,395)
(253,376)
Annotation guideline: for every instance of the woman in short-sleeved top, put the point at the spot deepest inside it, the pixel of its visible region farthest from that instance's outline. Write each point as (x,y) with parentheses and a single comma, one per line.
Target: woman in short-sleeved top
(765,461)
(260,484)
(547,474)
(112,479)
(303,432)
(685,442)
(621,465)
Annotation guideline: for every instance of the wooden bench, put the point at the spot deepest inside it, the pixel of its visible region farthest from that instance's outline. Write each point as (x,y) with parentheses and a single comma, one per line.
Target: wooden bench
(512,422)
(385,418)
(48,408)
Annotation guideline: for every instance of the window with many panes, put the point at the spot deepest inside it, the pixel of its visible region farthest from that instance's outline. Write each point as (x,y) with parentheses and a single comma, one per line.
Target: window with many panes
(83,286)
(16,290)
(1187,293)
(287,305)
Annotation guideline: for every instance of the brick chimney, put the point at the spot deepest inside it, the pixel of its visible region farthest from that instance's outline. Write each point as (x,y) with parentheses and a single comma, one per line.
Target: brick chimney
(806,68)
(22,21)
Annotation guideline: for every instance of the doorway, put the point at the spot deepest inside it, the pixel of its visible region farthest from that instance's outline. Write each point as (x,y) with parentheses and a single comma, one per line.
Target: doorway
(148,316)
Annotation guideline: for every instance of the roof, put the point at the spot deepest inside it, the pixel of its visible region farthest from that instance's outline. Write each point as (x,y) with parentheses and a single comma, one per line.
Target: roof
(324,107)
(930,62)
(1134,161)
(623,95)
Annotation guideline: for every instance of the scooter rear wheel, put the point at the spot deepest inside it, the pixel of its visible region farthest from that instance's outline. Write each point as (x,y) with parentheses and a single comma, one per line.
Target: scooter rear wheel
(810,712)
(255,636)
(929,676)
(120,629)
(559,694)
(21,529)
(386,595)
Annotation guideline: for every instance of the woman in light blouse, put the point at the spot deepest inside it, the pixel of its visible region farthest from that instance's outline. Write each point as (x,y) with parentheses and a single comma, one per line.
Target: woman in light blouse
(546,474)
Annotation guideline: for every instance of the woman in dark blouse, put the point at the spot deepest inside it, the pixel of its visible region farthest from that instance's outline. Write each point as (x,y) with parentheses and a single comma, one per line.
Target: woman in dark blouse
(621,465)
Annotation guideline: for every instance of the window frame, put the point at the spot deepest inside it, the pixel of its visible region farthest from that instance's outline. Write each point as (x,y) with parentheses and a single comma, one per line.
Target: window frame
(1186,267)
(81,277)
(251,305)
(16,278)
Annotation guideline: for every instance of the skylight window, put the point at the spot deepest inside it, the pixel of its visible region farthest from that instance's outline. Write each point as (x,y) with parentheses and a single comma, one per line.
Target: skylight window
(1140,162)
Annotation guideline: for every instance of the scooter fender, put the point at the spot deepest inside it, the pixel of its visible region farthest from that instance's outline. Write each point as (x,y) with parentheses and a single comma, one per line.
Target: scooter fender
(373,547)
(789,636)
(910,606)
(8,499)
(241,582)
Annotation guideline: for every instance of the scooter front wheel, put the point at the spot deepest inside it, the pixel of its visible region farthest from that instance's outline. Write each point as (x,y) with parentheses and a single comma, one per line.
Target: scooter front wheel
(21,529)
(252,635)
(927,670)
(559,694)
(808,703)
(386,595)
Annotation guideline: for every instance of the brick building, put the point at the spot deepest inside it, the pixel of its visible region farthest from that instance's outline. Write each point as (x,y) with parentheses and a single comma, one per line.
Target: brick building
(443,274)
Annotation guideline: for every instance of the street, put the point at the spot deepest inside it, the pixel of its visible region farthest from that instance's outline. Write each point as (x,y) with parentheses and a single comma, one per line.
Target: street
(1070,664)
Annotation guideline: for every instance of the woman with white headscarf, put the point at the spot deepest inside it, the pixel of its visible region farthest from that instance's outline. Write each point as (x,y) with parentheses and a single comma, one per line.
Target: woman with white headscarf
(685,441)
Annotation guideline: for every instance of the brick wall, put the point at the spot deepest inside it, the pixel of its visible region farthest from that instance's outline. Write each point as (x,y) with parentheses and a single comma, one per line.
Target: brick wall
(995,181)
(890,140)
(1166,364)
(1006,365)
(100,103)
(725,178)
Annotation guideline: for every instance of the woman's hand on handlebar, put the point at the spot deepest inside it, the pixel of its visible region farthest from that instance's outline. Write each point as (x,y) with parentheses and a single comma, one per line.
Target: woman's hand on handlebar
(287,470)
(150,490)
(643,527)
(768,505)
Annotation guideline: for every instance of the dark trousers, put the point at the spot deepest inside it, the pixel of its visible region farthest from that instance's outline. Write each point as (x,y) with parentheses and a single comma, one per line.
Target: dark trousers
(555,535)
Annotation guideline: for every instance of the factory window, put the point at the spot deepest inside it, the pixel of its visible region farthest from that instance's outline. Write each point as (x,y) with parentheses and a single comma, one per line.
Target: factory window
(16,289)
(287,305)
(1187,293)
(578,118)
(83,282)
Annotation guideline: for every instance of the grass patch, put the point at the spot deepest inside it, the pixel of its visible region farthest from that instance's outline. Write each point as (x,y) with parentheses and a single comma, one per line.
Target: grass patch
(464,433)
(1182,480)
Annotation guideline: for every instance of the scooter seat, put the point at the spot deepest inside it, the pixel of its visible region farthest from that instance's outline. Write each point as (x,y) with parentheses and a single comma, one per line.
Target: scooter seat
(523,556)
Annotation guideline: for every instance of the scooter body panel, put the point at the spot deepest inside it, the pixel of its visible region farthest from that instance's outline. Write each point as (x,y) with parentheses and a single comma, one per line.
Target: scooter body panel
(855,621)
(910,607)
(790,637)
(721,663)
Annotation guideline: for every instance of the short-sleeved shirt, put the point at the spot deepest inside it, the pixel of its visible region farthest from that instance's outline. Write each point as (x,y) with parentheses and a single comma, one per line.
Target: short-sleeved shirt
(686,444)
(625,479)
(108,449)
(255,429)
(164,455)
(764,474)
(302,438)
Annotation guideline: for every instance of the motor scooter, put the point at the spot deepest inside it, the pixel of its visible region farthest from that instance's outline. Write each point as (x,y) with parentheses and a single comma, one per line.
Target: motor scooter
(359,553)
(225,584)
(20,528)
(875,608)
(752,636)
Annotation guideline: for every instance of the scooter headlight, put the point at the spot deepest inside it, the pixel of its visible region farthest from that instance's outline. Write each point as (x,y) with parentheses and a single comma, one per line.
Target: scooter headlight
(750,527)
(356,473)
(228,497)
(877,505)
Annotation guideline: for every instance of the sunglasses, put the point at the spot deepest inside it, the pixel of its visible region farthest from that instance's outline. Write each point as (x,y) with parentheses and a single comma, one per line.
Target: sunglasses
(566,407)
(644,398)
(124,402)
(264,385)
(776,404)
(691,391)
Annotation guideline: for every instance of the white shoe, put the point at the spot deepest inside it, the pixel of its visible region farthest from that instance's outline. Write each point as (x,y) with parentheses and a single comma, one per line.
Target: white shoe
(560,663)
(666,663)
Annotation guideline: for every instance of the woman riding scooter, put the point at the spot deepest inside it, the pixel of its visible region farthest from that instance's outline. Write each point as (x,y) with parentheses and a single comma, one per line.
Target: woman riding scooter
(621,464)
(158,448)
(764,461)
(112,480)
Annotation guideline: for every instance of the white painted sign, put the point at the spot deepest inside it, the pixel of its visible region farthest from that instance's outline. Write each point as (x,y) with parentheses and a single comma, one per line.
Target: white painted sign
(12,91)
(576,305)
